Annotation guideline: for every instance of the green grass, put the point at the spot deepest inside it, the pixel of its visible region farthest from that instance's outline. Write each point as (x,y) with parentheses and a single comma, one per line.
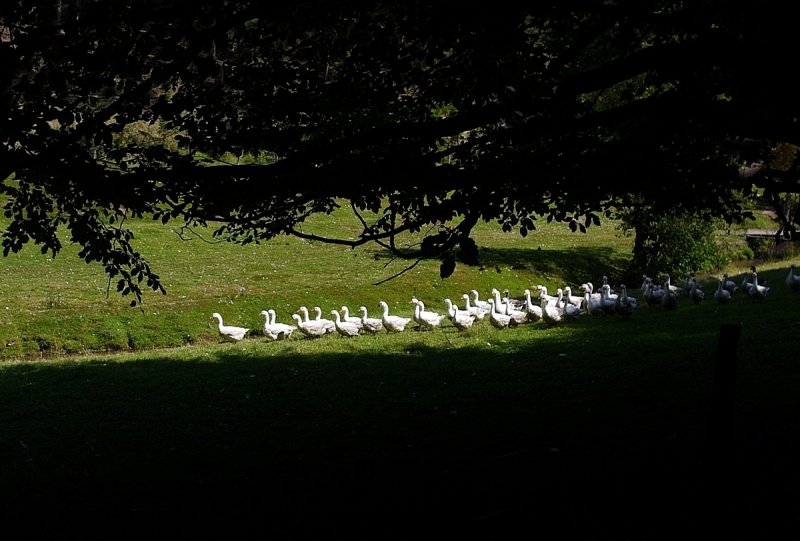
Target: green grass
(581,428)
(61,306)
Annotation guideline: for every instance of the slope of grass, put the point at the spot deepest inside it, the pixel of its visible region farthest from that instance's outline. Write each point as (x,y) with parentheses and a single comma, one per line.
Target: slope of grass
(60,305)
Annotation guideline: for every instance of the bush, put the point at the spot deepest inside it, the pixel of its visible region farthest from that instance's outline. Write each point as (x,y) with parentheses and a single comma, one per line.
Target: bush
(678,244)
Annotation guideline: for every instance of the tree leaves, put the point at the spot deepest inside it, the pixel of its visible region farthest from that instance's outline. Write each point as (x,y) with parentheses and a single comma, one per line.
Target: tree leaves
(447,266)
(427,117)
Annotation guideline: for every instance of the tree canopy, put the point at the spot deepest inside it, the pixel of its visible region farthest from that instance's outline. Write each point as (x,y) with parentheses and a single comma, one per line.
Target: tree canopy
(423,116)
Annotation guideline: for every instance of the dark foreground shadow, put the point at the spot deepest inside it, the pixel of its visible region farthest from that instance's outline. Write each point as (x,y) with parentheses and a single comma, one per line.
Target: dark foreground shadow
(476,443)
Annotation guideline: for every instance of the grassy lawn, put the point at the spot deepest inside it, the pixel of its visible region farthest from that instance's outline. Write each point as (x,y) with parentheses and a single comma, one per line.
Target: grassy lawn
(598,428)
(61,305)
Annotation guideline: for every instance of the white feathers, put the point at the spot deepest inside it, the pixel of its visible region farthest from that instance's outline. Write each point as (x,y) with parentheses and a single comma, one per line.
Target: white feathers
(229,331)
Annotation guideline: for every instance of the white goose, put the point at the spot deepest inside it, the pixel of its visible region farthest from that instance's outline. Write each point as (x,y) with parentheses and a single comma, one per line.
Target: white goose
(351,319)
(426,318)
(229,331)
(460,319)
(757,291)
(793,280)
(534,310)
(695,292)
(370,324)
(568,311)
(589,287)
(607,302)
(284,328)
(275,331)
(572,299)
(329,325)
(551,313)
(516,304)
(499,305)
(669,300)
(653,295)
(517,316)
(746,285)
(344,328)
(728,285)
(483,305)
(451,307)
(477,312)
(592,307)
(551,299)
(498,320)
(625,306)
(722,295)
(392,323)
(311,328)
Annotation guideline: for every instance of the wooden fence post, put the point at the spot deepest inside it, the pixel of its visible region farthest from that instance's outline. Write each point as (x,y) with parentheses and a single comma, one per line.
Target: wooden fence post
(724,386)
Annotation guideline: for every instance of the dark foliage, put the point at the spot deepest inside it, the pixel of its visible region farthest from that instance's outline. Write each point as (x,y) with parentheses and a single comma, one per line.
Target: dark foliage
(432,115)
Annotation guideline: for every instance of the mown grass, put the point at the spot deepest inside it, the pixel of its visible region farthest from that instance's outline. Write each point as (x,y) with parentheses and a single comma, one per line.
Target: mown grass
(598,428)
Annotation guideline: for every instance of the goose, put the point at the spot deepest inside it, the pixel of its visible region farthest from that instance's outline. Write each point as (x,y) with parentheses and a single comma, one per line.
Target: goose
(695,292)
(311,328)
(351,319)
(543,295)
(793,280)
(275,331)
(669,300)
(424,314)
(517,316)
(551,313)
(498,320)
(475,311)
(722,295)
(229,331)
(757,291)
(281,327)
(748,285)
(499,305)
(303,310)
(653,295)
(370,324)
(483,305)
(668,285)
(392,323)
(613,295)
(691,282)
(607,303)
(534,310)
(344,328)
(568,311)
(728,285)
(451,306)
(645,281)
(329,325)
(515,303)
(460,319)
(589,287)
(625,305)
(745,285)
(426,318)
(592,307)
(572,299)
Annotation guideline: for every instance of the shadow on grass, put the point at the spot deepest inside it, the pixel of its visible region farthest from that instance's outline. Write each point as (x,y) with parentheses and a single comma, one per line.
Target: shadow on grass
(529,430)
(575,265)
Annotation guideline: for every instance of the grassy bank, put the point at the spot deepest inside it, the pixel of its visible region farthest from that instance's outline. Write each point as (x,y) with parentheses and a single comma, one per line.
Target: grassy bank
(57,306)
(596,428)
